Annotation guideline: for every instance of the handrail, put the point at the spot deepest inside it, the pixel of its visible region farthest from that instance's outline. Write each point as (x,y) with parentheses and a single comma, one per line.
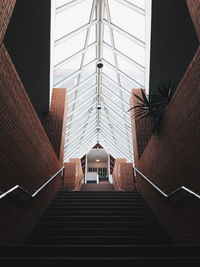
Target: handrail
(118,184)
(18,187)
(163,193)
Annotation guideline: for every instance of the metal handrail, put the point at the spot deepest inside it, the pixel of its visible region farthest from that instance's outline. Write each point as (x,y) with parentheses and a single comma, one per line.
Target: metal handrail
(170,194)
(18,187)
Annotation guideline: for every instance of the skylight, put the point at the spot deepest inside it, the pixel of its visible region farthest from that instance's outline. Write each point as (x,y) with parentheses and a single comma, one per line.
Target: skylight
(116,33)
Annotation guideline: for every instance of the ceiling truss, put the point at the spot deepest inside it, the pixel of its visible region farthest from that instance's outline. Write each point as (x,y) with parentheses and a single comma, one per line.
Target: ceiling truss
(109,125)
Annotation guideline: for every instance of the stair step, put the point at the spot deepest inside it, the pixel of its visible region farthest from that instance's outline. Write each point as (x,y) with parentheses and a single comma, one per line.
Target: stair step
(99,240)
(107,218)
(94,204)
(97,231)
(98,192)
(97,200)
(98,212)
(84,251)
(99,208)
(103,224)
(98,196)
(99,261)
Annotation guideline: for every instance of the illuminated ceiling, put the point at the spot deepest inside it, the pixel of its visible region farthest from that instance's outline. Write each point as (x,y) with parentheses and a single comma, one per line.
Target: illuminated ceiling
(114,33)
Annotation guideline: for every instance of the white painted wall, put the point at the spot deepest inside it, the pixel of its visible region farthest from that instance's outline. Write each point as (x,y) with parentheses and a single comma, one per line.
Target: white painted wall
(92,176)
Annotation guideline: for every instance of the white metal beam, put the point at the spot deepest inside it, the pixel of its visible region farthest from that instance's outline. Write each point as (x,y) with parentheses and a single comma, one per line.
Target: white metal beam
(126,34)
(77,126)
(136,8)
(110,143)
(73,33)
(80,153)
(76,143)
(83,104)
(79,116)
(72,57)
(78,136)
(77,72)
(116,129)
(108,149)
(67,5)
(125,57)
(117,142)
(123,143)
(123,74)
(77,150)
(82,94)
(82,83)
(83,60)
(112,92)
(113,108)
(114,125)
(77,147)
(125,90)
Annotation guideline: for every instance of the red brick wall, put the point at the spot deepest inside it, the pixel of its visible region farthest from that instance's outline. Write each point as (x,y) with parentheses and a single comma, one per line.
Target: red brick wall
(6,9)
(123,175)
(54,122)
(194,8)
(171,159)
(73,174)
(26,155)
(143,134)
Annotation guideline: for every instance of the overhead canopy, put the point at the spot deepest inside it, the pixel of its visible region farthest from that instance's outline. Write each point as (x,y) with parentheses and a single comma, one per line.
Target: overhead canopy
(111,33)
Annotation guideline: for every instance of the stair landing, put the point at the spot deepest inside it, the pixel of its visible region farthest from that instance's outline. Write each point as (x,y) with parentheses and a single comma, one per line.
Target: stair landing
(98,187)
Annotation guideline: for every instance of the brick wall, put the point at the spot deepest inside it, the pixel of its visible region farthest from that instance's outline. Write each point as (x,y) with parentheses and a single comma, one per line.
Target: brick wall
(26,155)
(171,159)
(194,8)
(122,175)
(6,9)
(54,121)
(73,174)
(143,126)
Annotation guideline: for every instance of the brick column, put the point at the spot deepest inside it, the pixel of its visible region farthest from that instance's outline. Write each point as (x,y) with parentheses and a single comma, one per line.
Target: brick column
(123,175)
(6,9)
(54,122)
(141,129)
(73,174)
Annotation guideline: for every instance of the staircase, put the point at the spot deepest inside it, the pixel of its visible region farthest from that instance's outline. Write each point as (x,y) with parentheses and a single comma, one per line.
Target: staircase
(92,228)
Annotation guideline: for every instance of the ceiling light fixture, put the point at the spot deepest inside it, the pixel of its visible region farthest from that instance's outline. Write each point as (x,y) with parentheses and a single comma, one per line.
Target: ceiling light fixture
(99,64)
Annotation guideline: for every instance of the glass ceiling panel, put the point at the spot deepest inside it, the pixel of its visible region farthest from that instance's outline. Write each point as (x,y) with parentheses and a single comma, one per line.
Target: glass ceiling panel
(111,73)
(62,2)
(131,49)
(108,55)
(140,3)
(127,19)
(128,84)
(69,48)
(67,70)
(87,31)
(88,71)
(131,70)
(106,36)
(113,98)
(92,37)
(90,55)
(70,83)
(68,20)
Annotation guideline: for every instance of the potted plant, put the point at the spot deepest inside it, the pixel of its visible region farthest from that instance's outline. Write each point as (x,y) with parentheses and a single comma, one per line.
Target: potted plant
(154,105)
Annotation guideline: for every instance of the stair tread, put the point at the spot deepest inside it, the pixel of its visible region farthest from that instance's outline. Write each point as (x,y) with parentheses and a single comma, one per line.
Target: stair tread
(90,218)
